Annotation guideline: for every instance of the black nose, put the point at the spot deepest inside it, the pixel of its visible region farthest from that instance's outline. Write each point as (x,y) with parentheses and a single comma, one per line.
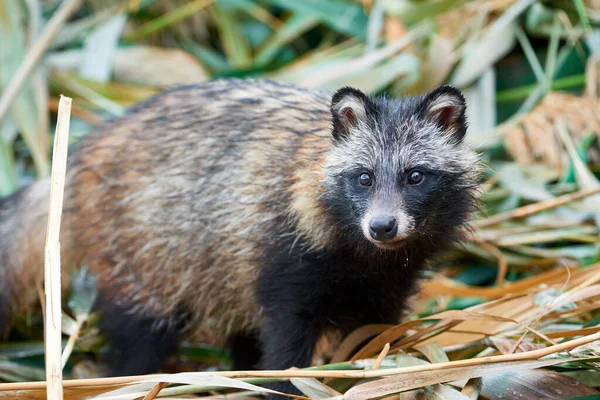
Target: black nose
(383,228)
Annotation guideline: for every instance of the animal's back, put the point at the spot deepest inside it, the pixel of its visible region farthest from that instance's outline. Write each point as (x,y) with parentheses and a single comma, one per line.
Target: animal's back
(173,203)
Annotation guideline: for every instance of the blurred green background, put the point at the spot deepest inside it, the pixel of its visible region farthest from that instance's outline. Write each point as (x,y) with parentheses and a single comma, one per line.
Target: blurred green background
(110,54)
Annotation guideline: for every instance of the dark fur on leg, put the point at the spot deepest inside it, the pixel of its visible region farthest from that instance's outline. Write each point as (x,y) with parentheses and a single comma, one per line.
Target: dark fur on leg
(246,352)
(140,344)
(288,341)
(4,319)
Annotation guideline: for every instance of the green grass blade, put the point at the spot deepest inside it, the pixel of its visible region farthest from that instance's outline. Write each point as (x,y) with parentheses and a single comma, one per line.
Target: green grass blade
(167,20)
(404,66)
(234,42)
(375,26)
(534,63)
(295,26)
(496,41)
(583,14)
(24,108)
(551,57)
(8,178)
(207,56)
(345,17)
(254,10)
(521,92)
(414,11)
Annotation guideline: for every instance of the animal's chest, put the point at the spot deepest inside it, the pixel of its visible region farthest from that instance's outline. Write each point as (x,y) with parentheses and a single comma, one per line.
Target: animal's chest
(367,297)
(341,289)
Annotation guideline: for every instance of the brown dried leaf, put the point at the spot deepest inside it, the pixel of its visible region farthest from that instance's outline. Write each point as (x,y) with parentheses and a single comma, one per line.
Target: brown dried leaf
(404,382)
(353,340)
(393,334)
(505,346)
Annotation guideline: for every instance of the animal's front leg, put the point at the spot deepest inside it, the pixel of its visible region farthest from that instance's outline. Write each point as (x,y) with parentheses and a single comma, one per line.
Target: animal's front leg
(288,341)
(293,296)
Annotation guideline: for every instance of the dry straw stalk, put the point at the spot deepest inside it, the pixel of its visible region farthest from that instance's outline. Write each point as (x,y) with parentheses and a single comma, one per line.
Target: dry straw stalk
(53,321)
(296,373)
(534,208)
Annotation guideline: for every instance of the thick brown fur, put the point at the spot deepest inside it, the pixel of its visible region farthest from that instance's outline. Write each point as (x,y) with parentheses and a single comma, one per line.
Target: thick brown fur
(178,206)
(138,211)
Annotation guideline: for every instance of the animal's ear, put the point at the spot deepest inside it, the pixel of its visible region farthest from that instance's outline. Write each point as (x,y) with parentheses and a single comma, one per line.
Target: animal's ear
(446,106)
(348,108)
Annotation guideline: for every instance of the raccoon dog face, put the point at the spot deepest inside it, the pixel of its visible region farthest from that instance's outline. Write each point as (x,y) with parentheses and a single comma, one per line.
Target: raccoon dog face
(399,170)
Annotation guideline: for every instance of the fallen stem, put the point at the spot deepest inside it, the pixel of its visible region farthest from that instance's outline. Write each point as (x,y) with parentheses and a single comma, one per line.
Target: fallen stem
(311,373)
(534,208)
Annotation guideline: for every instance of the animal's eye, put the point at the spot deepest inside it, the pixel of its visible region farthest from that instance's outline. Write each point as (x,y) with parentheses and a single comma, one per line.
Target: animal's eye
(415,177)
(365,179)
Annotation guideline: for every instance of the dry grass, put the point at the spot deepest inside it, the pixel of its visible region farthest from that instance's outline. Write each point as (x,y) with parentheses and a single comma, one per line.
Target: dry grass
(536,137)
(531,327)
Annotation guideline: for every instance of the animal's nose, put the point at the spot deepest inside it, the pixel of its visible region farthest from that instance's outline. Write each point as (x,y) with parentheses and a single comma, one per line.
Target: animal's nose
(383,228)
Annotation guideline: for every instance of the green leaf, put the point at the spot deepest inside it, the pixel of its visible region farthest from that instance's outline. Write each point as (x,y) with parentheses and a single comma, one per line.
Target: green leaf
(8,178)
(345,17)
(533,384)
(18,372)
(251,8)
(293,27)
(513,177)
(522,92)
(375,25)
(21,349)
(443,392)
(477,275)
(24,107)
(204,353)
(100,47)
(593,322)
(207,56)
(590,378)
(414,11)
(532,58)
(539,21)
(433,352)
(167,20)
(498,39)
(311,387)
(464,302)
(583,14)
(191,378)
(234,43)
(404,67)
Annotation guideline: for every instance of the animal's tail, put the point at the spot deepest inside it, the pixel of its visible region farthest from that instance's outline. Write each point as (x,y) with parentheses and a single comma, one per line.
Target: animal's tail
(23,219)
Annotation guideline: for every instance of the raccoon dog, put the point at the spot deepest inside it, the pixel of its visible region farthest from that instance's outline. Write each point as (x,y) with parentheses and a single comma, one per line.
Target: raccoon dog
(248,208)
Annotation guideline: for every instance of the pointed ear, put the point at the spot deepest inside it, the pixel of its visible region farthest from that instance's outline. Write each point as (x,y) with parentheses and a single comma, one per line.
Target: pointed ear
(446,106)
(348,107)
